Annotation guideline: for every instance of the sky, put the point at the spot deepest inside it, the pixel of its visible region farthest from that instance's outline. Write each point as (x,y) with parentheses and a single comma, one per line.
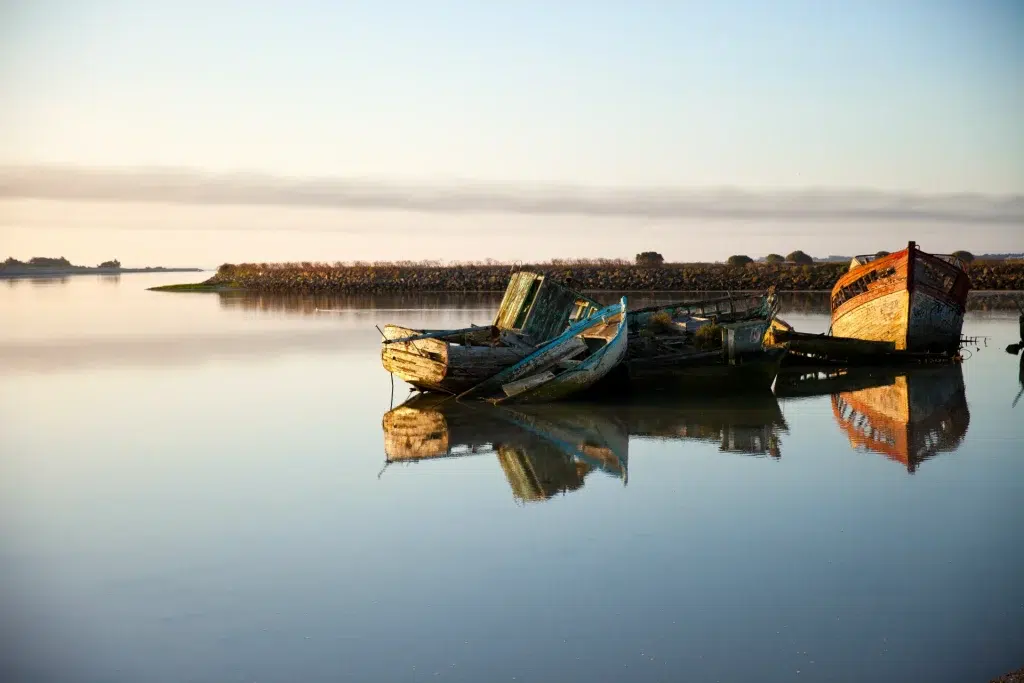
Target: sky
(920,101)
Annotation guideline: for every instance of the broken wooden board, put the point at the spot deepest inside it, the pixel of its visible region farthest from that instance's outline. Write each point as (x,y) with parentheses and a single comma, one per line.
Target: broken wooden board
(542,360)
(827,345)
(527,383)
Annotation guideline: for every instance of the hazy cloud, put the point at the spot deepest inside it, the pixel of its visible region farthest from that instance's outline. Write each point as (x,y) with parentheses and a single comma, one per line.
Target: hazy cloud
(199,188)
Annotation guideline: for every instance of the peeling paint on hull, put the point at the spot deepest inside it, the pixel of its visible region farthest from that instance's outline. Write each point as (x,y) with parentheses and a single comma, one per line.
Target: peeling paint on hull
(912,299)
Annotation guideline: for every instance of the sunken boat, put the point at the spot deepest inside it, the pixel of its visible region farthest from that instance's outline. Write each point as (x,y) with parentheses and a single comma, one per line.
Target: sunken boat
(535,309)
(704,345)
(911,299)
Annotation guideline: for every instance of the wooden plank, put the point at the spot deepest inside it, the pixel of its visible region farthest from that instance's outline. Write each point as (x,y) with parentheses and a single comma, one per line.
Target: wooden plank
(550,312)
(514,301)
(440,334)
(521,385)
(882,318)
(547,355)
(825,345)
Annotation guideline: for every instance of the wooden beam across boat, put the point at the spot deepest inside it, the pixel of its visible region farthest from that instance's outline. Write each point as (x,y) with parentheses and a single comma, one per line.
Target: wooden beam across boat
(443,334)
(824,344)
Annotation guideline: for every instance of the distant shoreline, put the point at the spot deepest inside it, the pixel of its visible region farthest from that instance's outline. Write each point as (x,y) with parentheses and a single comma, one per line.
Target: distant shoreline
(27,273)
(316,279)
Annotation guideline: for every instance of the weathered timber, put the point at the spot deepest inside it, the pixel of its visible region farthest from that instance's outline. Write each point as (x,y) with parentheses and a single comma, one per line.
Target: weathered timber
(600,341)
(474,333)
(539,308)
(914,299)
(828,352)
(684,357)
(535,308)
(521,385)
(831,346)
(577,376)
(431,364)
(729,305)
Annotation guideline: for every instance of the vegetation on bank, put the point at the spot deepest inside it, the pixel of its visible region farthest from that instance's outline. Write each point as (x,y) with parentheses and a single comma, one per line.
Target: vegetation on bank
(593,275)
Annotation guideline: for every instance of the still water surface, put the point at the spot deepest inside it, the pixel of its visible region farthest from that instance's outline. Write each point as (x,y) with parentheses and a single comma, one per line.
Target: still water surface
(216,488)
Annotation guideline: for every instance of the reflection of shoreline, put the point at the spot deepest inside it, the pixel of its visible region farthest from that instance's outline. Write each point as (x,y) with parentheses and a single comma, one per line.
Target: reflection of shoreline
(809,303)
(908,415)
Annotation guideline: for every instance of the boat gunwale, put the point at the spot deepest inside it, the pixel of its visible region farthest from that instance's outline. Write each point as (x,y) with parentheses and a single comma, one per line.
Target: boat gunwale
(910,284)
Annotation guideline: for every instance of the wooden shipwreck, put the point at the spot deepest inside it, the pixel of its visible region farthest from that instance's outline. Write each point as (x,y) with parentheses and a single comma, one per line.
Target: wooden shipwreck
(912,299)
(534,310)
(571,363)
(708,345)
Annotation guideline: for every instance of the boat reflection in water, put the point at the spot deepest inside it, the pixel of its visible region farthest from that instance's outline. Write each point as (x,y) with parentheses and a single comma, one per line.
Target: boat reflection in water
(907,415)
(548,450)
(542,452)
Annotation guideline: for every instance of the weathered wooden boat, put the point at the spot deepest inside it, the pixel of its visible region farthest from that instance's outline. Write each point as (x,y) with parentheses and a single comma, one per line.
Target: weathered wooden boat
(688,315)
(696,353)
(907,415)
(913,299)
(571,363)
(535,309)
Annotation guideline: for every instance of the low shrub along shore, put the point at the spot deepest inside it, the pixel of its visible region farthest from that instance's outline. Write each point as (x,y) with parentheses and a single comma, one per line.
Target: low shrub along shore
(608,275)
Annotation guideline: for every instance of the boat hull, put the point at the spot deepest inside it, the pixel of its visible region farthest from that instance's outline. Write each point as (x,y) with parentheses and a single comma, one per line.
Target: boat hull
(437,365)
(913,321)
(913,299)
(589,371)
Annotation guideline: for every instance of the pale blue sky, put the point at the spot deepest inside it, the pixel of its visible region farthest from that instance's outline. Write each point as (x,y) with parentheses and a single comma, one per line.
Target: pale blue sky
(901,95)
(921,95)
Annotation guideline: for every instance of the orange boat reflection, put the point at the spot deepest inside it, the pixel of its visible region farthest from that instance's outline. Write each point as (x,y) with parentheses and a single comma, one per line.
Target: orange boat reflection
(907,415)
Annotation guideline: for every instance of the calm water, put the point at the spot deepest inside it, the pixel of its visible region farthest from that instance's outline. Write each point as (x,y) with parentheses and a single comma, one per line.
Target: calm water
(206,488)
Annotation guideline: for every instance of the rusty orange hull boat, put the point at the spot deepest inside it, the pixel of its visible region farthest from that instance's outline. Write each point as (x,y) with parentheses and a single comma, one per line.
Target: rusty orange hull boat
(911,298)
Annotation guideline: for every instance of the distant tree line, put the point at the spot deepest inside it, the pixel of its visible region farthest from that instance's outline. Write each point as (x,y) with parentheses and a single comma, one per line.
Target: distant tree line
(798,257)
(48,262)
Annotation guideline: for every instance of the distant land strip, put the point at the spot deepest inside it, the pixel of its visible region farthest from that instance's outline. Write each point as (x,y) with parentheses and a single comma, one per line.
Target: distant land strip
(315,279)
(59,267)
